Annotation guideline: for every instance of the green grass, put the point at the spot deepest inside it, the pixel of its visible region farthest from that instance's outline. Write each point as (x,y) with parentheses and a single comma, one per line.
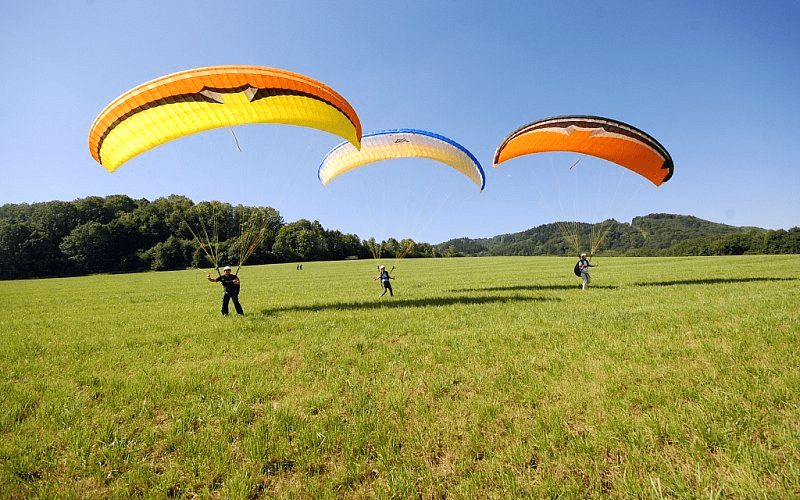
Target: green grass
(484,377)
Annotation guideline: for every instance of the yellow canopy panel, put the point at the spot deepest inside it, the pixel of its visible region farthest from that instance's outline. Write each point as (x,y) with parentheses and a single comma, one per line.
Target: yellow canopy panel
(194,100)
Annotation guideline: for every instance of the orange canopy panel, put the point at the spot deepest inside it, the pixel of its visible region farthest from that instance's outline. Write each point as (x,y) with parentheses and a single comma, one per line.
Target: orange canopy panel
(595,136)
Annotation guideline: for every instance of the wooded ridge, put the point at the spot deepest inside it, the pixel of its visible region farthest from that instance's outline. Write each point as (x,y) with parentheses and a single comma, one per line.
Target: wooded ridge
(120,234)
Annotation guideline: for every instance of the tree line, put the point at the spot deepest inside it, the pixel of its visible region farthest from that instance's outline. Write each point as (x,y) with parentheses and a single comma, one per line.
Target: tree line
(650,235)
(120,234)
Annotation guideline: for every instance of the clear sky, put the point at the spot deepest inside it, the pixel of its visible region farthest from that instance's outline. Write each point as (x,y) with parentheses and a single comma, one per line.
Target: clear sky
(717,83)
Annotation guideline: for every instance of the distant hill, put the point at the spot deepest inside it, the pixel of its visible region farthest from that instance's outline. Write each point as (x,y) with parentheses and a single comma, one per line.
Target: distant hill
(645,235)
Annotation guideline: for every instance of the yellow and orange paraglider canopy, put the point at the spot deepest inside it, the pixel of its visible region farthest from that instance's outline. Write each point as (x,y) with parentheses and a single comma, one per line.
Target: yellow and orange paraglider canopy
(604,138)
(200,99)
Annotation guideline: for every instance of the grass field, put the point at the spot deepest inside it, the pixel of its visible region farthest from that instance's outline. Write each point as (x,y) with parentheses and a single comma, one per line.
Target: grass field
(482,377)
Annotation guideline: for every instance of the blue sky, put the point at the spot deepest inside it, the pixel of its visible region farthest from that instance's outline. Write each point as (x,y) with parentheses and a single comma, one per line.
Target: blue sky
(715,82)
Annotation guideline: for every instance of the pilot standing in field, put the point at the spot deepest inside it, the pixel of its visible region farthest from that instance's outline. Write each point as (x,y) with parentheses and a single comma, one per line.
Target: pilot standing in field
(385,280)
(231,284)
(584,265)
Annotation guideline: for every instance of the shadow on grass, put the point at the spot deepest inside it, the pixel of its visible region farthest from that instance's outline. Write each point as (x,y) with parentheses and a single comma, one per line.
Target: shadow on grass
(711,281)
(391,303)
(531,288)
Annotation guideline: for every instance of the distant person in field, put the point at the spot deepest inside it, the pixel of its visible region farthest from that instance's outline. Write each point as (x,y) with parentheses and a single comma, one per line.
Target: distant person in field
(583,266)
(386,283)
(230,283)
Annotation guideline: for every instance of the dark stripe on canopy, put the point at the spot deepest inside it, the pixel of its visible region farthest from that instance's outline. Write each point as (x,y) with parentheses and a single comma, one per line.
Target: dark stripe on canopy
(199,97)
(588,121)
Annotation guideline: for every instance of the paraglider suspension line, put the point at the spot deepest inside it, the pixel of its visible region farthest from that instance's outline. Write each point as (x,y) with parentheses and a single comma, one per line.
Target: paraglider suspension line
(235,139)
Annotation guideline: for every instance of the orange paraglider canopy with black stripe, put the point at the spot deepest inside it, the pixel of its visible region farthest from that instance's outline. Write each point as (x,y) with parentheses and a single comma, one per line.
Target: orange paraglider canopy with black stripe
(604,138)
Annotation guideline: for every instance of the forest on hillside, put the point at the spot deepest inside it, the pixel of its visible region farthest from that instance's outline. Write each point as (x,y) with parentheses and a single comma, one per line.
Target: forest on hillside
(120,234)
(650,235)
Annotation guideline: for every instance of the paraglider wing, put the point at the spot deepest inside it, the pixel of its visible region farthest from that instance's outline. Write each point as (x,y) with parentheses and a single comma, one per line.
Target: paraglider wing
(604,138)
(401,143)
(191,101)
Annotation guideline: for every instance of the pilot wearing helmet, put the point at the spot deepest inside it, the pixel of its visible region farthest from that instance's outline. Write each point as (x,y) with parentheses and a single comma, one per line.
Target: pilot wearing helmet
(230,284)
